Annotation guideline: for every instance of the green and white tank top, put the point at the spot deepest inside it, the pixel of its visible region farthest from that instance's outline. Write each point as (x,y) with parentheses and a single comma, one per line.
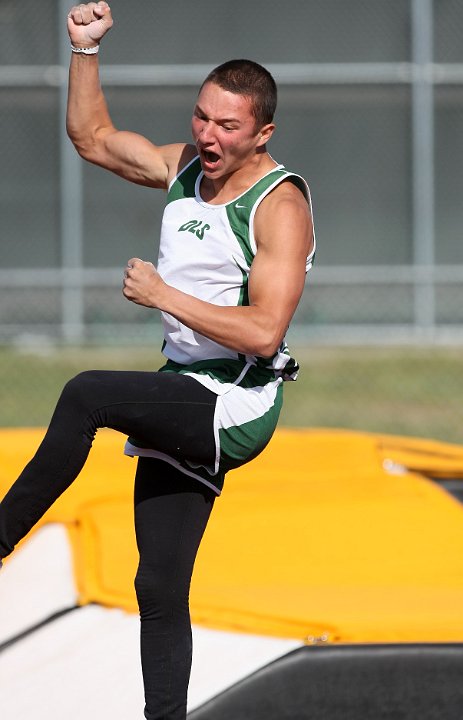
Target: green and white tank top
(207,251)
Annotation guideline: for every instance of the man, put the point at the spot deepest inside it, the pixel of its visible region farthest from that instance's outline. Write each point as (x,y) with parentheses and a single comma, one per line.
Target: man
(236,243)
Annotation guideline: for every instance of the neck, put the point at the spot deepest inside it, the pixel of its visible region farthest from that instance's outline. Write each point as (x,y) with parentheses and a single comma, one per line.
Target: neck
(227,187)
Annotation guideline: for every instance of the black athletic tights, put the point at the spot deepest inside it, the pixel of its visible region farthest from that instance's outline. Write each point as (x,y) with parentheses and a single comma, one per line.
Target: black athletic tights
(165,411)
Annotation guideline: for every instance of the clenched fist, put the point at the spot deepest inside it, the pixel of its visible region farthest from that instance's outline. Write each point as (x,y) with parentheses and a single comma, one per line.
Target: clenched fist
(88,23)
(143,285)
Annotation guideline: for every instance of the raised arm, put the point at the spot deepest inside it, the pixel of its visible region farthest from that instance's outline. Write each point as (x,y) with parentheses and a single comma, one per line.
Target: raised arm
(284,236)
(89,125)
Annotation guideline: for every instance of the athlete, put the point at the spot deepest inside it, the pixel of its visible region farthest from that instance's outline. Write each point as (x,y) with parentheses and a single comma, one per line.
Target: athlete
(236,243)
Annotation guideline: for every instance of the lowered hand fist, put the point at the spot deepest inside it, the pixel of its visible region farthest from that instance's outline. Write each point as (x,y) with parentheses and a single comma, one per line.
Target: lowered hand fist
(88,23)
(142,284)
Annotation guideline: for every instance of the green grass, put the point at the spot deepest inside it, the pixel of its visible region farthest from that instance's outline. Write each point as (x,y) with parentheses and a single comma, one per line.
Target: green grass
(404,391)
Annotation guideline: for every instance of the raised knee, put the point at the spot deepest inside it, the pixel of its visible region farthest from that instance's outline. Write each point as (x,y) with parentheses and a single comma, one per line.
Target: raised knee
(80,387)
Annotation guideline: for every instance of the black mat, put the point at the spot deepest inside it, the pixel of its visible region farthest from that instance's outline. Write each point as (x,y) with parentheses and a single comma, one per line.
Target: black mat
(348,682)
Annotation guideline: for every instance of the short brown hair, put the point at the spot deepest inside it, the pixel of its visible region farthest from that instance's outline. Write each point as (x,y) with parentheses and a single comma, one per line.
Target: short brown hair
(246,77)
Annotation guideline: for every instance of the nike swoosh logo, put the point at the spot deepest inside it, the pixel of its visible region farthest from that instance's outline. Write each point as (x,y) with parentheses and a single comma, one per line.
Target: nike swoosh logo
(237,205)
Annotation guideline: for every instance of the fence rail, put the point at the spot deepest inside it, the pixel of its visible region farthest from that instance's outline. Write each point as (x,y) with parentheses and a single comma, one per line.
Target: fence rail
(66,282)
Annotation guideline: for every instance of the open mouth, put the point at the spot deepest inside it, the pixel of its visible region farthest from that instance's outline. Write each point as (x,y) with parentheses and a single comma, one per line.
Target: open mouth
(210,157)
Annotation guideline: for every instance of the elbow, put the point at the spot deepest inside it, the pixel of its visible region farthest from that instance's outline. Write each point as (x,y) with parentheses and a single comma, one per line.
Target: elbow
(82,145)
(268,350)
(267,343)
(86,143)
(78,140)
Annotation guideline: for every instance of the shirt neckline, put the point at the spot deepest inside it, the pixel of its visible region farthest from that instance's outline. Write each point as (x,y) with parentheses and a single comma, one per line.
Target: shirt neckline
(212,206)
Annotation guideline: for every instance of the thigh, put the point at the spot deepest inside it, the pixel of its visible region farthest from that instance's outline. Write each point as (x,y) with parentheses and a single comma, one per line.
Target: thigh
(164,411)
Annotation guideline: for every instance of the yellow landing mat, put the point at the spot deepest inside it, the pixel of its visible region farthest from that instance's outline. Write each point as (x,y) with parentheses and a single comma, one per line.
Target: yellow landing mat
(328,534)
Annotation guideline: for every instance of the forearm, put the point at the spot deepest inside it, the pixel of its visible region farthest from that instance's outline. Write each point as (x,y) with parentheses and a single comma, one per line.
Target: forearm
(248,329)
(87,112)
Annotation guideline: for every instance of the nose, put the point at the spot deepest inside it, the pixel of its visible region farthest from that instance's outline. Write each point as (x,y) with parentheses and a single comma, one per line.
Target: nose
(206,132)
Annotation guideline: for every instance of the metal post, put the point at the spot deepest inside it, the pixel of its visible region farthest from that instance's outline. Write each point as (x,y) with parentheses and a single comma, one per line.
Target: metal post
(72,309)
(423,166)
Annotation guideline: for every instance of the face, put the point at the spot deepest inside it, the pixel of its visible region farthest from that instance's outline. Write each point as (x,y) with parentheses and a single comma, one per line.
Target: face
(224,131)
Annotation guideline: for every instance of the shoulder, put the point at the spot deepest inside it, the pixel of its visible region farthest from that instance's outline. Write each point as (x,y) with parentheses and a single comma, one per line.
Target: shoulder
(285,211)
(292,188)
(290,196)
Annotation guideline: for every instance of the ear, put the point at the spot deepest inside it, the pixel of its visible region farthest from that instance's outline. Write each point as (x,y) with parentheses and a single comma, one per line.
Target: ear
(264,134)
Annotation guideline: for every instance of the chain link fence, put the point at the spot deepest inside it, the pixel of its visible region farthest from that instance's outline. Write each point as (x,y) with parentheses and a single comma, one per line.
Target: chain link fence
(370,112)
